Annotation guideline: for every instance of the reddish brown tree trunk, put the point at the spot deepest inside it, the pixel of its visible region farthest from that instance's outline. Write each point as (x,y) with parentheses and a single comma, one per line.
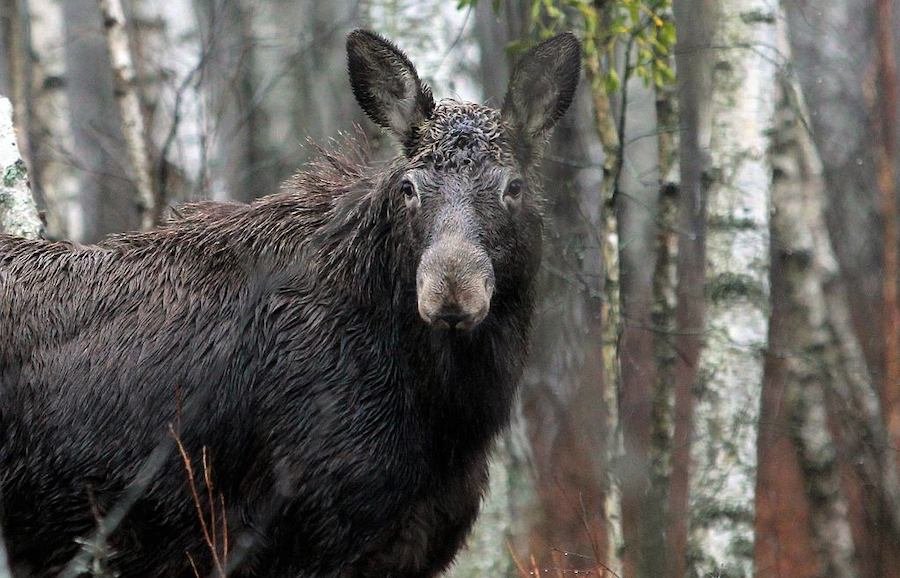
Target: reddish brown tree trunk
(887,121)
(694,19)
(784,547)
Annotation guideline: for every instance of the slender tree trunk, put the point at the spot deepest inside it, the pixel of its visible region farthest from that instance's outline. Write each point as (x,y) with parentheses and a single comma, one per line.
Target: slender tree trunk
(610,313)
(130,108)
(55,178)
(645,408)
(887,186)
(16,50)
(695,20)
(803,256)
(663,285)
(107,196)
(231,117)
(18,213)
(833,55)
(170,60)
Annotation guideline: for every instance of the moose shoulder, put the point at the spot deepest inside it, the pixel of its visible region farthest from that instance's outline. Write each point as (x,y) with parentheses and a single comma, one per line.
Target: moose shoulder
(344,351)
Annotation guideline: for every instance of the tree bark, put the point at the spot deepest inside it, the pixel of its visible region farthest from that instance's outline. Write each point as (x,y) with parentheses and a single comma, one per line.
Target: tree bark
(107,196)
(130,108)
(610,311)
(18,213)
(170,61)
(803,256)
(695,21)
(887,187)
(832,53)
(54,176)
(723,445)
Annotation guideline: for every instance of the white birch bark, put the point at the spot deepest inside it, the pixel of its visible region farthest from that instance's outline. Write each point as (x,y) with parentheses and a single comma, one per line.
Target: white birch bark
(18,213)
(53,143)
(807,259)
(723,451)
(170,59)
(129,107)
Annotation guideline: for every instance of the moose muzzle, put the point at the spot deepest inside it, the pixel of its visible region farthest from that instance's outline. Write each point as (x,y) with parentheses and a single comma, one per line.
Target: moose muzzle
(454,284)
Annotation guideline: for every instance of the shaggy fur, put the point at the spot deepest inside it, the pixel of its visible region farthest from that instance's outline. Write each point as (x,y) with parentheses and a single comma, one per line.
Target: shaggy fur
(347,436)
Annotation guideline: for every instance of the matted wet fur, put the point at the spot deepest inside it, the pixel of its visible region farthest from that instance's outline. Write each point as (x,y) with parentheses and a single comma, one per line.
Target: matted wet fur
(346,350)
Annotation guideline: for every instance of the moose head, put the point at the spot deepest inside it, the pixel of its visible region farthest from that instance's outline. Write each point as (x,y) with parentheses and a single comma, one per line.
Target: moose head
(467,179)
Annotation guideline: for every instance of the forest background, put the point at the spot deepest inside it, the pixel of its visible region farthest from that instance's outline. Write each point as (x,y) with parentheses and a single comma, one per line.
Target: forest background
(714,386)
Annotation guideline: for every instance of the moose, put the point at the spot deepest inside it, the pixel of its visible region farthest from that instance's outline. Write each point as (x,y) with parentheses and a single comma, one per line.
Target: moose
(344,351)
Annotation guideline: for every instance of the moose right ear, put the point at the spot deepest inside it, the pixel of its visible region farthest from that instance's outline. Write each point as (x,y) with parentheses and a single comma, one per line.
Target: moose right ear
(542,87)
(386,85)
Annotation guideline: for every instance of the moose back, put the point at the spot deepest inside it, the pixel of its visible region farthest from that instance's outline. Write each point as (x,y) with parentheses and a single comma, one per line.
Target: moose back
(333,361)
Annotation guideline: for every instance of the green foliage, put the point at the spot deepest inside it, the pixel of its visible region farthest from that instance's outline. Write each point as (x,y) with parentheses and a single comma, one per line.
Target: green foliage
(645,27)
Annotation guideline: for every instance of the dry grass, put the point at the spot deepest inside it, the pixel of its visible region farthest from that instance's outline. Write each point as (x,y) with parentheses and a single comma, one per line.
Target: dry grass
(213,518)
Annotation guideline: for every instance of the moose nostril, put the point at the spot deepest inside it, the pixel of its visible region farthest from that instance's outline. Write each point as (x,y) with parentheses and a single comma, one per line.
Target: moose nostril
(452,318)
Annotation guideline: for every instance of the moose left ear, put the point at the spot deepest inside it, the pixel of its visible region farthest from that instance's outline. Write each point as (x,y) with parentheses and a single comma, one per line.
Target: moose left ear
(542,86)
(386,85)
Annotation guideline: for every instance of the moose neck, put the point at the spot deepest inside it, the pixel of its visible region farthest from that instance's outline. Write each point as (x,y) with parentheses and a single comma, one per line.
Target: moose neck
(470,378)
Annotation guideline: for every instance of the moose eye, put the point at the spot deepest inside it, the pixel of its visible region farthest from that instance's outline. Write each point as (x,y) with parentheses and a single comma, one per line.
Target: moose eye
(408,190)
(514,188)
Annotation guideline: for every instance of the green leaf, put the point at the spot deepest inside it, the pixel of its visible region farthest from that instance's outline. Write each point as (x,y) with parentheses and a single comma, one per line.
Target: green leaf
(611,82)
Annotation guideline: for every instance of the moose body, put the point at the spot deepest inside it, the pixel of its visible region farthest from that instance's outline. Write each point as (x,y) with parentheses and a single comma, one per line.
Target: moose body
(344,352)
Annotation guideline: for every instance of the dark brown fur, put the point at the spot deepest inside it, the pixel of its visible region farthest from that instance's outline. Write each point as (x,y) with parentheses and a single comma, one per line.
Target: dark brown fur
(348,437)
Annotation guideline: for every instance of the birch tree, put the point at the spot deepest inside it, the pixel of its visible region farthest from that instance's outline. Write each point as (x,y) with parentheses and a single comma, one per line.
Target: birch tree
(18,213)
(107,195)
(723,452)
(129,108)
(52,143)
(170,61)
(807,260)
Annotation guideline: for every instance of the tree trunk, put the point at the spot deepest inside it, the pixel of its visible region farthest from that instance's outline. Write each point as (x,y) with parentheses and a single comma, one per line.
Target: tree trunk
(723,452)
(695,21)
(643,511)
(170,58)
(832,46)
(799,336)
(231,119)
(129,108)
(18,213)
(887,187)
(55,179)
(107,197)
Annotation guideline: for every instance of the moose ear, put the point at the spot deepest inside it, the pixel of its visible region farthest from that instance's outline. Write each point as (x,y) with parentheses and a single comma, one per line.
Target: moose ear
(386,85)
(542,86)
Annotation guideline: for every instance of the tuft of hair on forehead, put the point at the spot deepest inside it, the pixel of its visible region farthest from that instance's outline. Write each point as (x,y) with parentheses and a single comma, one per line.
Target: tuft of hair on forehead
(461,134)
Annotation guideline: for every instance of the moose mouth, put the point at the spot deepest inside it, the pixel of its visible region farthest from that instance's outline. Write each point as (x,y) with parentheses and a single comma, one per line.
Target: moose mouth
(454,318)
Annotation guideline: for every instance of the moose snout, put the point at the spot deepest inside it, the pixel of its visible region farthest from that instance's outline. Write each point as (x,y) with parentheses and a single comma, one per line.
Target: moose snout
(454,285)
